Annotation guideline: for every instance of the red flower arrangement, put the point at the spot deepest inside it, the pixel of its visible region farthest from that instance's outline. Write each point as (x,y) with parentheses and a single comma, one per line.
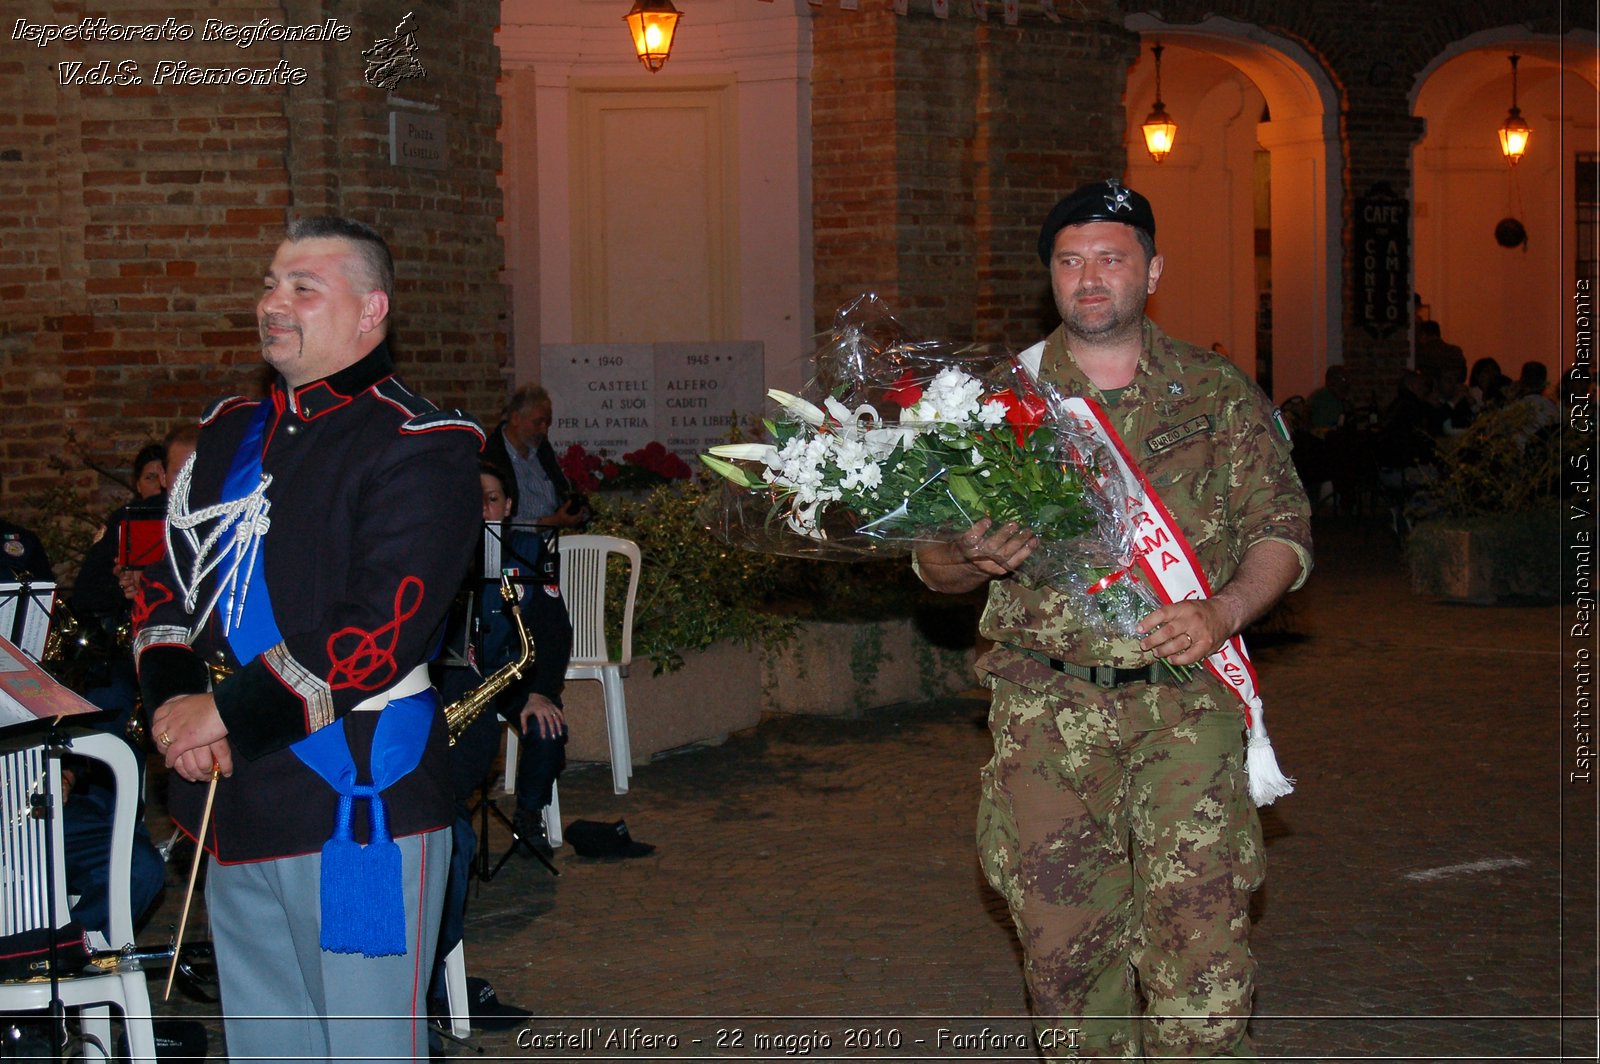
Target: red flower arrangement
(647,467)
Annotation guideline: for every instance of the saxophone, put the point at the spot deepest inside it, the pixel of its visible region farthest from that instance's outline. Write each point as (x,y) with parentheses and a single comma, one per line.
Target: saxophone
(459,714)
(64,634)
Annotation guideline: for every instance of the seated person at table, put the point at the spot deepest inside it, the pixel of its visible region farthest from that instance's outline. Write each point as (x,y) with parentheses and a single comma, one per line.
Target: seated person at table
(1329,404)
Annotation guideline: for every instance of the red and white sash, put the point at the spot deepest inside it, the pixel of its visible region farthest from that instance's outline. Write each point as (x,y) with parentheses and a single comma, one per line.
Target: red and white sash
(1163,556)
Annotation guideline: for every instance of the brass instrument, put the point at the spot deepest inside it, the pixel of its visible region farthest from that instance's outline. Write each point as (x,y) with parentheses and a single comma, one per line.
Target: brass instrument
(64,635)
(218,670)
(459,714)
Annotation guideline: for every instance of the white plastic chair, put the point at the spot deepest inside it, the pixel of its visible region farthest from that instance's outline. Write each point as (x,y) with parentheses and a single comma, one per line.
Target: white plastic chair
(455,991)
(26,884)
(583,586)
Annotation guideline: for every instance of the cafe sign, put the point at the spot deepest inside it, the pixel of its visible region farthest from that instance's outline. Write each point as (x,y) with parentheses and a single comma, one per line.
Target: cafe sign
(1383,261)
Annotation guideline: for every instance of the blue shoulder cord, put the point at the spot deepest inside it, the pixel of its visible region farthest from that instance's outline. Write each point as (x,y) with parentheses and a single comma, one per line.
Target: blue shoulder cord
(363,896)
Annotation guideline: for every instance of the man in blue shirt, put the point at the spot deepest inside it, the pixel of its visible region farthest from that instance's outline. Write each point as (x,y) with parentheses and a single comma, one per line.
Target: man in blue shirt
(521,443)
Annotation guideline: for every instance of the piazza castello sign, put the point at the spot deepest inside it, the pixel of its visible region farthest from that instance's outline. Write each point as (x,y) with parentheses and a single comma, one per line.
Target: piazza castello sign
(618,397)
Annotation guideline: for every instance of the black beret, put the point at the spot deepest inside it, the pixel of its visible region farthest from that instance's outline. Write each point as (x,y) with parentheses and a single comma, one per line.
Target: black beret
(1102,201)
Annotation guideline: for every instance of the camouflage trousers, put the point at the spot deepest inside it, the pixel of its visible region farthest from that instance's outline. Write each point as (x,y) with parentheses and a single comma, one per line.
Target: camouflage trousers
(1127,850)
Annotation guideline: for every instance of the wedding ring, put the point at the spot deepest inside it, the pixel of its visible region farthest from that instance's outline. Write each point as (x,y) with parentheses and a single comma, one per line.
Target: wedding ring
(1190,639)
(166,738)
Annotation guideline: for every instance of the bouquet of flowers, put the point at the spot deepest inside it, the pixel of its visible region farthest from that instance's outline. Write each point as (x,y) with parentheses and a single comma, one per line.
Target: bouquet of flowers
(900,442)
(903,443)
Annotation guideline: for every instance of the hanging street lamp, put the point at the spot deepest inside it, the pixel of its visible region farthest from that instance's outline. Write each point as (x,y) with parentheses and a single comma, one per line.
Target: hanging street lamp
(1159,129)
(652,24)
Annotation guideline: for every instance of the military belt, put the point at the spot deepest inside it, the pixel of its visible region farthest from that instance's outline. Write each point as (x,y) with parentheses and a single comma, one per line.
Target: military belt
(1108,676)
(1101,676)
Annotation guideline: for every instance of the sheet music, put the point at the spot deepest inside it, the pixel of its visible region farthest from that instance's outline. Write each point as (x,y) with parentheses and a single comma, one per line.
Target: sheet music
(28,694)
(491,550)
(37,599)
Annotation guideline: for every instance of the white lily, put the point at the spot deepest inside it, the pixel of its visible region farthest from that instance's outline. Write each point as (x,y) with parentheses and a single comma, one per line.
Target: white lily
(731,471)
(748,452)
(800,408)
(864,416)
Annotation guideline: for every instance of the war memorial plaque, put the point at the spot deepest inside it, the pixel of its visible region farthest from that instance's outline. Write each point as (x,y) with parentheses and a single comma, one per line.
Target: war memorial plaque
(618,397)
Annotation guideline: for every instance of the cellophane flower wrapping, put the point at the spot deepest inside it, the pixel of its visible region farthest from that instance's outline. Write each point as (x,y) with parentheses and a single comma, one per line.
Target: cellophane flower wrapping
(896,442)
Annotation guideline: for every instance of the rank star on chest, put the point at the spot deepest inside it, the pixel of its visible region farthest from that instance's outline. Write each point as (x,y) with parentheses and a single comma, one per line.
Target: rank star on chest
(1175,388)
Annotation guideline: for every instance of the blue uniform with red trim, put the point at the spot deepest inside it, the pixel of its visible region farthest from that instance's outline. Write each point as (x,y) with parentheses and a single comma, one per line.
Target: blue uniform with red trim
(374,515)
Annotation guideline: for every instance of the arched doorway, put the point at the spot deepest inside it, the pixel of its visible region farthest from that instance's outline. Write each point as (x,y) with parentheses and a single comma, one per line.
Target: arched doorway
(1513,304)
(1249,204)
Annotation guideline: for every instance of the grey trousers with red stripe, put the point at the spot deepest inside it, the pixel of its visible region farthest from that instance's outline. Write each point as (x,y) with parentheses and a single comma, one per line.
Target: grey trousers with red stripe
(285,998)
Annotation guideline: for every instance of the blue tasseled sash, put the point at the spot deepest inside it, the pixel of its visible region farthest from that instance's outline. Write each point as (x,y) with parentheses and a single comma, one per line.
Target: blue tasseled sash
(363,897)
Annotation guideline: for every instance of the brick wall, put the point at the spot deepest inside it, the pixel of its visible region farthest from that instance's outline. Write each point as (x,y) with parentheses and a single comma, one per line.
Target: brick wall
(853,158)
(1049,114)
(968,132)
(136,221)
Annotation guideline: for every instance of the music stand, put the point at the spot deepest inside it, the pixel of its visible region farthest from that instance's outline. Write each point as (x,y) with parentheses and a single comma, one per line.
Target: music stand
(484,808)
(25,608)
(30,697)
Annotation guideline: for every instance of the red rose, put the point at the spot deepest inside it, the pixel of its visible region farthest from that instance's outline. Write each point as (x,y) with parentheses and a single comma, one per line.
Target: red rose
(905,392)
(1024,413)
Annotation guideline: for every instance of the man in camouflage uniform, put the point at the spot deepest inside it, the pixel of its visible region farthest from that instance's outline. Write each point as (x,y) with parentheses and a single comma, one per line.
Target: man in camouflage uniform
(1115,815)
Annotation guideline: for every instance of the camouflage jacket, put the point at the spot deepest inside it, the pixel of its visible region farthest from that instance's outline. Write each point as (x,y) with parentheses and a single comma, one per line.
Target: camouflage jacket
(1205,437)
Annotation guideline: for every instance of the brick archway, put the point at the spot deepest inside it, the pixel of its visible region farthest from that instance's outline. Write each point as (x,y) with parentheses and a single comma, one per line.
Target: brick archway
(1207,191)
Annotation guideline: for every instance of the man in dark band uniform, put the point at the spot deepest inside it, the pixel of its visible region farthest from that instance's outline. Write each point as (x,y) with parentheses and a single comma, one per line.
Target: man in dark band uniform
(316,540)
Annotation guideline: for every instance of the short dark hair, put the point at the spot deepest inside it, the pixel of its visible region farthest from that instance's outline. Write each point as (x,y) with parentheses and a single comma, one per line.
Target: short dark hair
(374,253)
(1147,242)
(150,452)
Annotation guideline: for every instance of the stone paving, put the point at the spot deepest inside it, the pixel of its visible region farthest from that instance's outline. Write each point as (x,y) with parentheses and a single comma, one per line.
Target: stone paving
(814,891)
